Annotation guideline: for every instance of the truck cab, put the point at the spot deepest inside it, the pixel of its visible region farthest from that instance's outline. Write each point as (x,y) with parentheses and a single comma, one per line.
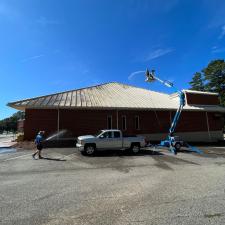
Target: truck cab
(109,140)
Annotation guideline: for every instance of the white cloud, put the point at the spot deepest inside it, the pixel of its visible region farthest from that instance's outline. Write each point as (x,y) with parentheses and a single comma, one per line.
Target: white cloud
(158,53)
(216,49)
(32,58)
(222,34)
(134,74)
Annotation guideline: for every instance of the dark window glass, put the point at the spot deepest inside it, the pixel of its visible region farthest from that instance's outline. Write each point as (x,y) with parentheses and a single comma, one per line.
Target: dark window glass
(124,123)
(107,135)
(116,134)
(137,123)
(109,122)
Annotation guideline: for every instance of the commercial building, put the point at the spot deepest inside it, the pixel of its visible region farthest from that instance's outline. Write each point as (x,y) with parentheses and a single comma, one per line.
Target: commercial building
(132,109)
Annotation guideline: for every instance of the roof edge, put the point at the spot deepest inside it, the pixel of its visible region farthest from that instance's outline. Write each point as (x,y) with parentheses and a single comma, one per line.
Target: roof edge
(200,92)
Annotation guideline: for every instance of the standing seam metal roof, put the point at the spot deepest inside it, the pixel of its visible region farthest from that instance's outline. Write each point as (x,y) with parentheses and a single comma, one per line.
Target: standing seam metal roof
(109,95)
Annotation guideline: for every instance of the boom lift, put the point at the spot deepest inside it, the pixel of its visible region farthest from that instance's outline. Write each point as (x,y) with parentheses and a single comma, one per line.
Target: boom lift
(172,142)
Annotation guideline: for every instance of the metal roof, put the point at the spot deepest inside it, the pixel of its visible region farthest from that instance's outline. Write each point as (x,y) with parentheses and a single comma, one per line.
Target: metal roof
(109,96)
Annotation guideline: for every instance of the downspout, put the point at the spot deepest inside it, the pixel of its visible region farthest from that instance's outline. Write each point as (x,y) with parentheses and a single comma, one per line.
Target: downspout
(117,120)
(58,123)
(207,120)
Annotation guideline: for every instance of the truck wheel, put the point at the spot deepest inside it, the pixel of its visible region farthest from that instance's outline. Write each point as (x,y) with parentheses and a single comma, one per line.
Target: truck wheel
(89,150)
(177,146)
(135,148)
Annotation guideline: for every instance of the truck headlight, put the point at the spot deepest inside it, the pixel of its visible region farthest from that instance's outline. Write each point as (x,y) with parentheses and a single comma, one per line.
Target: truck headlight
(82,142)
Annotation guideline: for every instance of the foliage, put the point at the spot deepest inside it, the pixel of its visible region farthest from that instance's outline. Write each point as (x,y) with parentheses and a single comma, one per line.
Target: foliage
(212,79)
(10,124)
(197,82)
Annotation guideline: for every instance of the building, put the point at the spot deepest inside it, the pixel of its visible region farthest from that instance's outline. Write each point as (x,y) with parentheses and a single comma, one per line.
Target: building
(132,109)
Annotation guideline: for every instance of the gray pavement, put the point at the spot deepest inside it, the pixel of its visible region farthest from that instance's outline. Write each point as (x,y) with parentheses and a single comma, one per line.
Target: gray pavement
(113,188)
(7,140)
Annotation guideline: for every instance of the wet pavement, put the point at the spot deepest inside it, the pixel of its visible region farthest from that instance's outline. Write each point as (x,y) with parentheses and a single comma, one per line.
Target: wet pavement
(7,150)
(7,140)
(113,187)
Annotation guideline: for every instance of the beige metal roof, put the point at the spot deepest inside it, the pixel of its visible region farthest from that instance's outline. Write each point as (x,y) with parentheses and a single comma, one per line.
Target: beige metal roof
(108,96)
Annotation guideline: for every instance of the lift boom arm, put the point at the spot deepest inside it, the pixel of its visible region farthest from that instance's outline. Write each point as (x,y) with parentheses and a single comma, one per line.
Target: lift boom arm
(150,77)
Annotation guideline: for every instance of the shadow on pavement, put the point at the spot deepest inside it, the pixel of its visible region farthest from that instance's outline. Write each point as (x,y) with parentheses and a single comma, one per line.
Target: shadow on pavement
(112,153)
(52,159)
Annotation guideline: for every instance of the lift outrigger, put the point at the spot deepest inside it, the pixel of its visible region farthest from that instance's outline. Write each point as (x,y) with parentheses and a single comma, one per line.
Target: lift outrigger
(174,143)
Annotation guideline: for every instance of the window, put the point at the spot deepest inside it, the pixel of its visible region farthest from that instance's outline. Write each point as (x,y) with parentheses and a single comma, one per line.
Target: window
(109,122)
(124,123)
(107,134)
(137,123)
(116,134)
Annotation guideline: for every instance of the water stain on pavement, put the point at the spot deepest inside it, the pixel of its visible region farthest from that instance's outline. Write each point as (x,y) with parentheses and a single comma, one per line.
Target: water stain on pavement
(213,215)
(7,150)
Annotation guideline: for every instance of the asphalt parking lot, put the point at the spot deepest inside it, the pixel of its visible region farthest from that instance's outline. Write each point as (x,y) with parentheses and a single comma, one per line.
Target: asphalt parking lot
(113,188)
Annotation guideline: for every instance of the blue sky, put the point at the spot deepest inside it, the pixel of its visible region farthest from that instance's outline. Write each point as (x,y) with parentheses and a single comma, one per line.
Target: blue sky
(51,46)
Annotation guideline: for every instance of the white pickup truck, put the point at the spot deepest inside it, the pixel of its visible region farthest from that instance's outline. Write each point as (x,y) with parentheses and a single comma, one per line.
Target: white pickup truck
(109,140)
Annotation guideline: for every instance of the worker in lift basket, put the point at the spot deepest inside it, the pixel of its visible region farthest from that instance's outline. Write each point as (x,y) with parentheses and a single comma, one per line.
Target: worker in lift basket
(39,144)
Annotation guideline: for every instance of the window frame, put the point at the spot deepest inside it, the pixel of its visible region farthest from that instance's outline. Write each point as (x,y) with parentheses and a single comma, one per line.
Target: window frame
(109,117)
(137,119)
(124,117)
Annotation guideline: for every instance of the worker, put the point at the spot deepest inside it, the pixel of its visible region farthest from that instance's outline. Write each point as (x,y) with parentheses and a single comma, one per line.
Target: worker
(39,144)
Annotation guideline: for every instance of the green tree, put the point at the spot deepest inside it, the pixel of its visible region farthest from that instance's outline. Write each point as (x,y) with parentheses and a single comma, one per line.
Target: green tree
(214,75)
(212,79)
(10,124)
(197,82)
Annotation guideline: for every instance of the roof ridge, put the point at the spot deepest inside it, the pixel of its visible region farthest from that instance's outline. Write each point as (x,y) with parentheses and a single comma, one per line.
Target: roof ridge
(158,92)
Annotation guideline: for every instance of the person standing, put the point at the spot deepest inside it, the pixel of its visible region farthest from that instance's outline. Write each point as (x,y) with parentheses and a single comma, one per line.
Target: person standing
(39,144)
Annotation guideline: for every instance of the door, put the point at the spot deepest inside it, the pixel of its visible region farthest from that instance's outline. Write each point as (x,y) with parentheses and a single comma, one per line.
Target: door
(117,140)
(105,141)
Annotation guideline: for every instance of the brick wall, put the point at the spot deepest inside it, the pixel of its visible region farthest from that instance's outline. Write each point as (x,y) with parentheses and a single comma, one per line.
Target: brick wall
(81,122)
(202,99)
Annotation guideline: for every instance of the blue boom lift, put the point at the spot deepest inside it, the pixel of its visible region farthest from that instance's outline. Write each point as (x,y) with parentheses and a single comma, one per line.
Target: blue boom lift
(172,142)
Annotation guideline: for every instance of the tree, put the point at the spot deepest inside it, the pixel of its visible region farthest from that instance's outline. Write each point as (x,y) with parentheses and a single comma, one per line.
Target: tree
(212,79)
(10,123)
(197,82)
(215,78)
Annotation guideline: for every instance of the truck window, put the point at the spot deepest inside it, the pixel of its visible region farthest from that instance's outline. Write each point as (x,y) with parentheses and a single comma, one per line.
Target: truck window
(116,134)
(107,135)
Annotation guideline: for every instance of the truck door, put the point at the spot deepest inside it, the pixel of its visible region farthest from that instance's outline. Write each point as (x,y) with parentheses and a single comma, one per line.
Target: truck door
(117,140)
(105,141)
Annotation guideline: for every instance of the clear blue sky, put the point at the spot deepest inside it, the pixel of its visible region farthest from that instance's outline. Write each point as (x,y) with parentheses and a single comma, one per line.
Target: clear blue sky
(50,46)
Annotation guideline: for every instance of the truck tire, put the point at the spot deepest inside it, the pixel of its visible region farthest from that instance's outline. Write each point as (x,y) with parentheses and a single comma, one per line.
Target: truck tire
(177,146)
(135,148)
(89,150)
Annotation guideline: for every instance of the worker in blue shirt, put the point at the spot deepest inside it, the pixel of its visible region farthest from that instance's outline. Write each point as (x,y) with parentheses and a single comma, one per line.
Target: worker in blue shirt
(39,144)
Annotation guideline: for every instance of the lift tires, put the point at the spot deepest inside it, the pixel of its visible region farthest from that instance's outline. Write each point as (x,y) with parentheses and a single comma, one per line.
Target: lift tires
(89,150)
(135,148)
(177,146)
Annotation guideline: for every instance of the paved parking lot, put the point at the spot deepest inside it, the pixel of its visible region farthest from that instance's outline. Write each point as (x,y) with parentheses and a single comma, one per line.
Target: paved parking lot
(113,188)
